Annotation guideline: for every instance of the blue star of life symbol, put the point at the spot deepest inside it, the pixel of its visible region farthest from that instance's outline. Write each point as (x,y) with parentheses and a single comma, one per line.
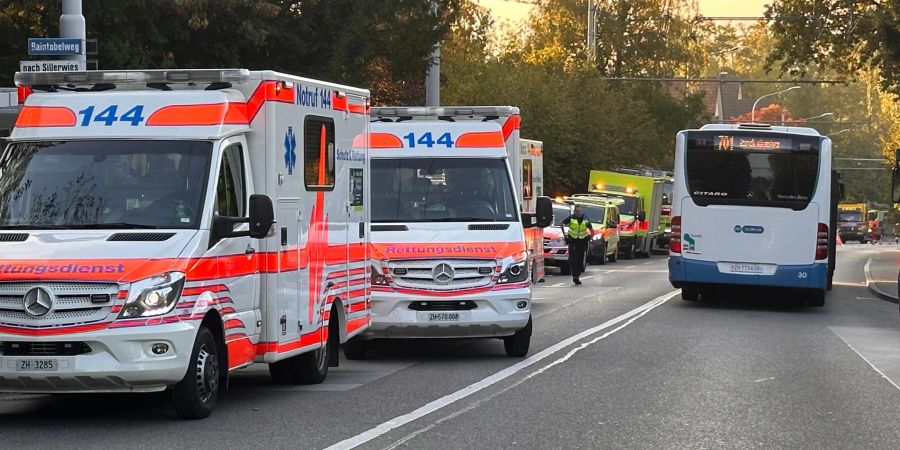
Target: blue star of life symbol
(290,154)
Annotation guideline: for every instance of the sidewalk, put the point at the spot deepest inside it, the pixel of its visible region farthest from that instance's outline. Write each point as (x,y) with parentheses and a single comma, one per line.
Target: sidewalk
(881,274)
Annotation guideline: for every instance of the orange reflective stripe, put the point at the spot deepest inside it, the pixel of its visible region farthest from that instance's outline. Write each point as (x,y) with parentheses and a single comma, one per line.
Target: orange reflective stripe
(480,139)
(384,140)
(45,116)
(199,115)
(512,124)
(268,90)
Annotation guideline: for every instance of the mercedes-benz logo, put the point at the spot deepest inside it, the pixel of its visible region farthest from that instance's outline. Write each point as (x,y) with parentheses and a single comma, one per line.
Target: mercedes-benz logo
(38,302)
(443,273)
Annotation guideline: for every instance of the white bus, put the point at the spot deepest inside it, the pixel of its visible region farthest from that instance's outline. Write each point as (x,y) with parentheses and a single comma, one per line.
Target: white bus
(752,206)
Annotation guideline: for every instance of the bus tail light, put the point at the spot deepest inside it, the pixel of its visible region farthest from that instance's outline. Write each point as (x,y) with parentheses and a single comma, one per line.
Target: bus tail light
(675,238)
(822,242)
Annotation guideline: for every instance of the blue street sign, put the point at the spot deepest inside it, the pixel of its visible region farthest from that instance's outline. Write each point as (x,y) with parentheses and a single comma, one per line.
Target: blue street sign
(55,46)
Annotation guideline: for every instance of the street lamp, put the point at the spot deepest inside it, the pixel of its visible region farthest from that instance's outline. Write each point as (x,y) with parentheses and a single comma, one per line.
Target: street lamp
(753,111)
(817,117)
(839,132)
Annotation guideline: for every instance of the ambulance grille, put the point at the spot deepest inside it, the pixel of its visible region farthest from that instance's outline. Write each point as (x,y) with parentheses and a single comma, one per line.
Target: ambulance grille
(420,273)
(43,348)
(13,237)
(73,304)
(140,237)
(443,305)
(390,228)
(489,227)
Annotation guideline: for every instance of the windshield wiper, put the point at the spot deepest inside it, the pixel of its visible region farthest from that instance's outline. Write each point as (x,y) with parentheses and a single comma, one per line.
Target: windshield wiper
(32,227)
(111,226)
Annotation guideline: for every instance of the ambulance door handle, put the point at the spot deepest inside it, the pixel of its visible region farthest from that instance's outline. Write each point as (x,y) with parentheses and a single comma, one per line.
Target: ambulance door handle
(362,230)
(250,250)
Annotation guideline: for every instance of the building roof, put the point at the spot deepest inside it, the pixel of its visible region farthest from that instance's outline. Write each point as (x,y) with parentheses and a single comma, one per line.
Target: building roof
(724,99)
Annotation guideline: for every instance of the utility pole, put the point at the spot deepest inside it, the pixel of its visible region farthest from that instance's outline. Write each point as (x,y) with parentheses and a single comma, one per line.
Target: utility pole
(591,30)
(72,25)
(433,75)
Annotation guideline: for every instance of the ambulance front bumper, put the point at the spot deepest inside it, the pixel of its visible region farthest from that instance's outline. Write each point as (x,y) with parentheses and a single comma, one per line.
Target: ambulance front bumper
(118,360)
(482,315)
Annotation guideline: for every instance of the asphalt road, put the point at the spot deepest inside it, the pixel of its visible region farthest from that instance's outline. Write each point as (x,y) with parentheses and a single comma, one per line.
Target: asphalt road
(620,362)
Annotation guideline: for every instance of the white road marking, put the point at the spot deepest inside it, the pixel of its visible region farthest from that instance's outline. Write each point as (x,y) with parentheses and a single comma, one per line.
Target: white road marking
(399,421)
(867,298)
(587,277)
(648,263)
(875,342)
(630,267)
(764,379)
(558,285)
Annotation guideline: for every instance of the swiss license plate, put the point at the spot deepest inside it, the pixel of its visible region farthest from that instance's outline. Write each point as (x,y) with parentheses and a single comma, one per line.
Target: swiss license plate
(443,317)
(746,268)
(37,365)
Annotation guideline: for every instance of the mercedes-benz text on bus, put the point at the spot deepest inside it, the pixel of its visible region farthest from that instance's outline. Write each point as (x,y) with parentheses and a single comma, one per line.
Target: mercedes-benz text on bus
(752,207)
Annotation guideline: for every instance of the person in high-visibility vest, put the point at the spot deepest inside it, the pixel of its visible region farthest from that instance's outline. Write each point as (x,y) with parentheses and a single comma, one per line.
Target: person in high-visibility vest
(577,237)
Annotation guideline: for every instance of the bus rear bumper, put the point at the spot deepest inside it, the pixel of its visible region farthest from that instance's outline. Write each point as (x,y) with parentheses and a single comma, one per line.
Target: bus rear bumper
(685,272)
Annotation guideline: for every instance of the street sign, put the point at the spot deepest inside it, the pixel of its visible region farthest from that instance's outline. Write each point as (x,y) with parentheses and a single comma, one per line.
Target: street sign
(52,66)
(55,46)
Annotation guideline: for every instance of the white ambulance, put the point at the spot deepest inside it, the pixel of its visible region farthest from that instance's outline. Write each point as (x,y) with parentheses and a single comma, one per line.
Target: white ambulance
(139,246)
(528,169)
(448,233)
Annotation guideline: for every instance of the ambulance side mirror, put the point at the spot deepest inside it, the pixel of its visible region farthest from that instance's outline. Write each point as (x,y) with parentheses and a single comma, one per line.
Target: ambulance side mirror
(544,212)
(642,216)
(261,219)
(262,216)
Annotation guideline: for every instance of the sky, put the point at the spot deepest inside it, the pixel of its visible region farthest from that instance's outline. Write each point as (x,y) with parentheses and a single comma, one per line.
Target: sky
(516,11)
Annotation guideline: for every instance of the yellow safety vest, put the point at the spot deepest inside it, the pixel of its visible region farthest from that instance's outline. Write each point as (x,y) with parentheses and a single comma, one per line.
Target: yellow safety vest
(578,229)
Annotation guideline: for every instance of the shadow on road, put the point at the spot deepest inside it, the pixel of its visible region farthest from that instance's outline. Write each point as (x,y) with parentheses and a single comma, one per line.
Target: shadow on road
(755,299)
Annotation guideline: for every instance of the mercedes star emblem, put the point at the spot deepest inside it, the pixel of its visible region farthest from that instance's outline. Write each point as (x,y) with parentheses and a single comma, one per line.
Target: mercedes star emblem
(38,302)
(443,273)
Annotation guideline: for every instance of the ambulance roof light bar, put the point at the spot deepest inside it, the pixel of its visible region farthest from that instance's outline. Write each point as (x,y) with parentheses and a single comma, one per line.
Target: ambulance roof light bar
(131,77)
(443,111)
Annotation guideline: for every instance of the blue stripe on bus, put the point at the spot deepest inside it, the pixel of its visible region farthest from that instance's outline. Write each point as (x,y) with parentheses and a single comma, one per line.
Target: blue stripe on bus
(691,271)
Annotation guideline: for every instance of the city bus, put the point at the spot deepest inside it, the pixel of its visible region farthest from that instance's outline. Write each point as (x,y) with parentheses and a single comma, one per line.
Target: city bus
(752,206)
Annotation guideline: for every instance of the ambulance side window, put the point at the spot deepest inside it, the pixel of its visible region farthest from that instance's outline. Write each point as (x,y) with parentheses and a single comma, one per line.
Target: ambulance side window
(318,154)
(231,191)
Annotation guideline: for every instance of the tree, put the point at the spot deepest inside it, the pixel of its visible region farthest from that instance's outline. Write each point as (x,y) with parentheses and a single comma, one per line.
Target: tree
(773,114)
(360,42)
(847,36)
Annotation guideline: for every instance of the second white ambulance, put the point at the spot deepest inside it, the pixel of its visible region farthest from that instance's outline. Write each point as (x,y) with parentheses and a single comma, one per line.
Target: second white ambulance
(448,234)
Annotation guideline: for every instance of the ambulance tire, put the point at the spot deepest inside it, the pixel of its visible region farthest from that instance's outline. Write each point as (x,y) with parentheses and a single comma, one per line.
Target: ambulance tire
(355,349)
(614,256)
(601,260)
(308,368)
(196,394)
(628,253)
(517,345)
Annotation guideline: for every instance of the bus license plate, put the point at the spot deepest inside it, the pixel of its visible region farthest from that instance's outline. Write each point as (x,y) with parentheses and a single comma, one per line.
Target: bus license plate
(746,268)
(37,365)
(442,316)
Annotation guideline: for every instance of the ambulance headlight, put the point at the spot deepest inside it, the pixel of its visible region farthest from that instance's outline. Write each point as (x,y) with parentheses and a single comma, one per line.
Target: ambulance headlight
(559,242)
(517,272)
(153,296)
(597,237)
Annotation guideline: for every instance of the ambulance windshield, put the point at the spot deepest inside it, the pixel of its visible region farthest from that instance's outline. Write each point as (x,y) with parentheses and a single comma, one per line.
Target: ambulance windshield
(105,184)
(442,190)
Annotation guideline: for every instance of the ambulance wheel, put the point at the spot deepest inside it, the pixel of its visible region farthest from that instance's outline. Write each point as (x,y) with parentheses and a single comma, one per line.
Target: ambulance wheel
(517,344)
(308,368)
(355,349)
(629,251)
(816,298)
(601,260)
(564,269)
(196,394)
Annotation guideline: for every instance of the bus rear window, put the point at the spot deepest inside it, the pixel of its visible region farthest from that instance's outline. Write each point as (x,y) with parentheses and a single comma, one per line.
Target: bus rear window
(751,169)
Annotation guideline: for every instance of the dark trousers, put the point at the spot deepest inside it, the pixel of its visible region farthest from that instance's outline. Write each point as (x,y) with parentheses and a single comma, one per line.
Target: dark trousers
(577,247)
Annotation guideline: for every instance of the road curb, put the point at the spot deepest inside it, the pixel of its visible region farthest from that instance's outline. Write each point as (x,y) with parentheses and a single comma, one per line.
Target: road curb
(873,287)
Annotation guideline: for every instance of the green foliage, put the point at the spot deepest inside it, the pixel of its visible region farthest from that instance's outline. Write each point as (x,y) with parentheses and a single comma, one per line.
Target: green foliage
(385,45)
(846,36)
(585,121)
